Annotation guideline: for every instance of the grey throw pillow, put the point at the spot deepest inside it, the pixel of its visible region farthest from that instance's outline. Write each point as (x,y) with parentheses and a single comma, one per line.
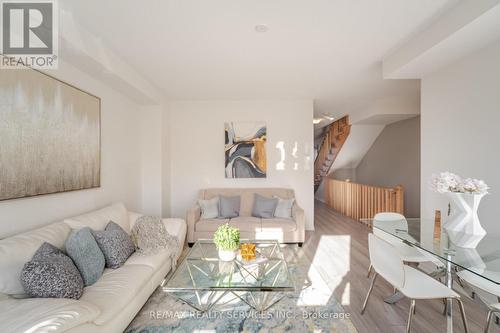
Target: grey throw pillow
(51,274)
(284,208)
(115,244)
(229,207)
(86,254)
(209,208)
(264,207)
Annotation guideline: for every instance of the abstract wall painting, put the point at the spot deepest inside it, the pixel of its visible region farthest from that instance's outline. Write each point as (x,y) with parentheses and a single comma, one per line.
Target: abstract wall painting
(245,149)
(49,136)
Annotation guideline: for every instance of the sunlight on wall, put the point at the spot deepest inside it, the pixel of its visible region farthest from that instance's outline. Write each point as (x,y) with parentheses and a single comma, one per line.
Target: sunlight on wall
(281,147)
(281,165)
(295,156)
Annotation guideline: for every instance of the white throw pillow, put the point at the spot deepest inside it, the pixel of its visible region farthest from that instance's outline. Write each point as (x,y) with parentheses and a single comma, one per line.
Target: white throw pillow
(284,208)
(209,208)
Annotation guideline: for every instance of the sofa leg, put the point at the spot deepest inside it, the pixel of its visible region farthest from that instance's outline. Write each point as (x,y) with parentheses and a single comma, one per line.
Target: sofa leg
(190,244)
(300,244)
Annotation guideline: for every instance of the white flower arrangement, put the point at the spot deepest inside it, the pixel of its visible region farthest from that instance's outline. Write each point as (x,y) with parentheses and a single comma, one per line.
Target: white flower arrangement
(446,182)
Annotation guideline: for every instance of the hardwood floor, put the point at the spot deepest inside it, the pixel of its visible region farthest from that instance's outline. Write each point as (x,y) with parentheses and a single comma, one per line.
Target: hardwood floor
(338,248)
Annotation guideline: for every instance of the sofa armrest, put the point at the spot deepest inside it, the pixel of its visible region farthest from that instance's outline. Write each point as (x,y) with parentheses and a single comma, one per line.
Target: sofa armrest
(193,216)
(299,217)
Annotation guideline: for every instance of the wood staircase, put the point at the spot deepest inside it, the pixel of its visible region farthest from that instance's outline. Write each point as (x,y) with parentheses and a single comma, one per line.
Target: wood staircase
(334,137)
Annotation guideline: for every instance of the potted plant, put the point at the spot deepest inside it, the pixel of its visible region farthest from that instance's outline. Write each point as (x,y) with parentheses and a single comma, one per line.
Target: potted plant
(227,241)
(463,225)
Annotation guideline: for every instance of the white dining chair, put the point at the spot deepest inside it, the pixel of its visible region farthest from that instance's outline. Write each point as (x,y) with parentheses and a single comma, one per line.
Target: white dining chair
(409,254)
(411,282)
(488,291)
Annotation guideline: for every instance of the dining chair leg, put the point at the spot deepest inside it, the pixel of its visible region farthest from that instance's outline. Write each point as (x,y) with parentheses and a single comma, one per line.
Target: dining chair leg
(488,321)
(410,316)
(369,293)
(369,271)
(462,313)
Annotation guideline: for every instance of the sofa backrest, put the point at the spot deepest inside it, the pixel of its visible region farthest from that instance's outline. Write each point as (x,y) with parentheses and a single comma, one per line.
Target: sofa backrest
(17,250)
(98,219)
(247,195)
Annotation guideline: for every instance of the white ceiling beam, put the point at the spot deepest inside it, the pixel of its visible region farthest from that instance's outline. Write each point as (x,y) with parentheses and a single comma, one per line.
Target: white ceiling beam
(88,53)
(467,27)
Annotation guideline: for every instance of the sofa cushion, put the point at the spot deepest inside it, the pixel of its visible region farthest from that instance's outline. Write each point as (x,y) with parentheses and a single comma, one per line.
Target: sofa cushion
(284,225)
(247,195)
(115,289)
(17,250)
(209,208)
(210,224)
(82,248)
(264,207)
(99,219)
(229,207)
(246,223)
(115,244)
(155,261)
(45,314)
(51,274)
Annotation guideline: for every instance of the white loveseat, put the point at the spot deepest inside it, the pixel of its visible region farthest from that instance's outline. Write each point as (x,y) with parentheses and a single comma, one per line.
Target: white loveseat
(106,306)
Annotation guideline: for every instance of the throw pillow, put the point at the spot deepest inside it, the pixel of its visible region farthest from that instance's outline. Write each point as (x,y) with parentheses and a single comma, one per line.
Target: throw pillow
(264,207)
(51,274)
(209,208)
(115,244)
(229,207)
(151,236)
(284,208)
(86,254)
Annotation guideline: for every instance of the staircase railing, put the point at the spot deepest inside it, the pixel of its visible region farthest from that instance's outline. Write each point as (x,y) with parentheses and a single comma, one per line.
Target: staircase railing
(360,201)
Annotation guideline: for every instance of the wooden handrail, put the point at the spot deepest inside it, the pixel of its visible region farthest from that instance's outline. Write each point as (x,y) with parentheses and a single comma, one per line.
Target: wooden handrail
(361,201)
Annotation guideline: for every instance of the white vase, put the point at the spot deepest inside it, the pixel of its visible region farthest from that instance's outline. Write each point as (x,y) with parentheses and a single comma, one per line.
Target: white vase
(463,226)
(227,255)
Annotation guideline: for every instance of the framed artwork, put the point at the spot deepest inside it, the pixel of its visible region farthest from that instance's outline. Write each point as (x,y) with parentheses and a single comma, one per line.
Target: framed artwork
(49,135)
(245,149)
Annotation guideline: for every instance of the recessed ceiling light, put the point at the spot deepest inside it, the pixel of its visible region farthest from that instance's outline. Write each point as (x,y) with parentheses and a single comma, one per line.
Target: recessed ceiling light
(261,28)
(328,116)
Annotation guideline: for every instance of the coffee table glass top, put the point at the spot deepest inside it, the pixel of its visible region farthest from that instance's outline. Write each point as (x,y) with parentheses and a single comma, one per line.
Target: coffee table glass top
(201,269)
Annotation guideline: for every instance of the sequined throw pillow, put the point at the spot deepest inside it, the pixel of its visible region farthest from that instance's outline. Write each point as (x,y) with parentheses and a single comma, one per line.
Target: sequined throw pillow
(115,244)
(51,274)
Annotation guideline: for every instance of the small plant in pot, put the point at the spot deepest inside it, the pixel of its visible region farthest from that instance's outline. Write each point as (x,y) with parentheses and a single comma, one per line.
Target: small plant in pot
(227,241)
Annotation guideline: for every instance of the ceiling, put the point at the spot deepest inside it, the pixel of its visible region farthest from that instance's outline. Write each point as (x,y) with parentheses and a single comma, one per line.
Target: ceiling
(326,50)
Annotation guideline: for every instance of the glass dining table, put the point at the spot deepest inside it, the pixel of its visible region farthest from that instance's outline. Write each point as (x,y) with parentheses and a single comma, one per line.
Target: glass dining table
(483,261)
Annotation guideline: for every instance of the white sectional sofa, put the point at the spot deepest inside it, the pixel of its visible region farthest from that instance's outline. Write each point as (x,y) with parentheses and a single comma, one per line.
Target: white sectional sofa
(106,306)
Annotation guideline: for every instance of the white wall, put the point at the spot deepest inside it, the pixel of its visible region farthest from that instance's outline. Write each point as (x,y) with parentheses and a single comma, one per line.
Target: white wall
(197,148)
(123,168)
(460,130)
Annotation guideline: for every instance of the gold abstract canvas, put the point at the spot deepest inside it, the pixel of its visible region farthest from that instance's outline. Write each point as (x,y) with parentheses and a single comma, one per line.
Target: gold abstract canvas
(49,135)
(245,149)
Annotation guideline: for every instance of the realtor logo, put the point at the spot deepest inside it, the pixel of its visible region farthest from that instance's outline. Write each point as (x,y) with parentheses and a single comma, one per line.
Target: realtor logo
(29,34)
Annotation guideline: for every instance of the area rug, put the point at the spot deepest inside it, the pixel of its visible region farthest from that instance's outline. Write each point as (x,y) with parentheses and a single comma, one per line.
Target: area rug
(312,308)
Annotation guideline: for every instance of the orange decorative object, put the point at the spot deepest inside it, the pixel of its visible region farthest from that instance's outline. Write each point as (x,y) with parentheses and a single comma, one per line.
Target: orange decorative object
(247,251)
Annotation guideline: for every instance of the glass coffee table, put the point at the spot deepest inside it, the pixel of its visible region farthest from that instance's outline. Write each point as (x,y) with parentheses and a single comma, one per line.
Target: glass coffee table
(202,280)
